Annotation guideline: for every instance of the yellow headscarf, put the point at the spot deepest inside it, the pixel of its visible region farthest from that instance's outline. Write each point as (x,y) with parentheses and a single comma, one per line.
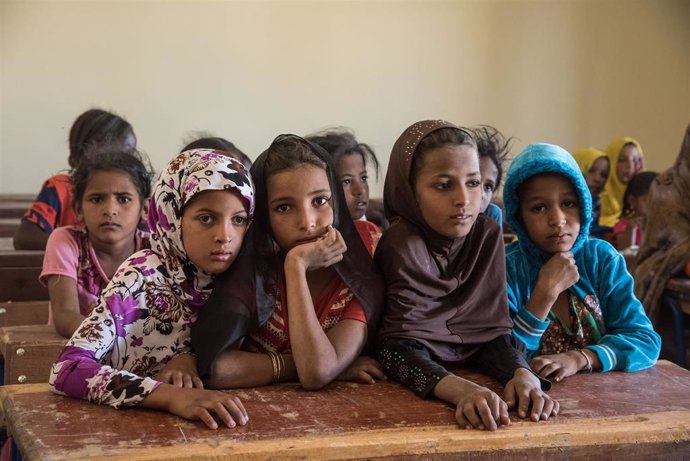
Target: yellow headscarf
(586,157)
(612,196)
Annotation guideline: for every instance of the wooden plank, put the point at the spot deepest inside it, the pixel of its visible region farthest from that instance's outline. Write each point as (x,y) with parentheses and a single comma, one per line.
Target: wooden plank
(603,416)
(21,258)
(21,284)
(29,351)
(24,313)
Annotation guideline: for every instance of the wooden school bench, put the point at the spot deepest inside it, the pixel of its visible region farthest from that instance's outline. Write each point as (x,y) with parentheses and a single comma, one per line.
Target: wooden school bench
(615,415)
(28,352)
(19,271)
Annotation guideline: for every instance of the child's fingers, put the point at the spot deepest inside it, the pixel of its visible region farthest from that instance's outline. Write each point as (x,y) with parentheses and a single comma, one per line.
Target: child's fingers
(365,377)
(495,408)
(548,408)
(509,395)
(198,383)
(187,380)
(238,410)
(549,369)
(206,417)
(375,371)
(220,408)
(523,402)
(538,401)
(486,415)
(556,407)
(461,419)
(562,373)
(503,416)
(470,413)
(177,380)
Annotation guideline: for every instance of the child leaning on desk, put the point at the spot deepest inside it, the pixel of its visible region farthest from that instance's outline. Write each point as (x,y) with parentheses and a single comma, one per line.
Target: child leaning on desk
(134,348)
(571,297)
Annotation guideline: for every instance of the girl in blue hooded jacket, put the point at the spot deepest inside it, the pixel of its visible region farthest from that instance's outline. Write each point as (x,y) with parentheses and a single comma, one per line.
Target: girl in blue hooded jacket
(571,298)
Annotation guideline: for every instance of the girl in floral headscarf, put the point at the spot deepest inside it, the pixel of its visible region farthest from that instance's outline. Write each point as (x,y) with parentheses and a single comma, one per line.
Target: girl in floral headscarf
(134,348)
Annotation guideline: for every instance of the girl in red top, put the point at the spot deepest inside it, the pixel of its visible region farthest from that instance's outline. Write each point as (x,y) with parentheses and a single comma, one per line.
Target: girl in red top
(303,296)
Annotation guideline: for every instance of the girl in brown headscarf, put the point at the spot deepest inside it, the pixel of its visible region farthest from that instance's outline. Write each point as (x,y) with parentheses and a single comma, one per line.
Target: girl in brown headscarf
(443,263)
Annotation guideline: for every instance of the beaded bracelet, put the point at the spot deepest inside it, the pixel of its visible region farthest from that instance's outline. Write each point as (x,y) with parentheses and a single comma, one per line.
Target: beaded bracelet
(588,368)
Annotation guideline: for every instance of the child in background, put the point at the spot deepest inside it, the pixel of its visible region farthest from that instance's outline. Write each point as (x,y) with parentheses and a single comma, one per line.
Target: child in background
(110,187)
(134,348)
(443,265)
(594,165)
(350,158)
(625,161)
(53,206)
(220,144)
(571,296)
(302,299)
(627,233)
(493,150)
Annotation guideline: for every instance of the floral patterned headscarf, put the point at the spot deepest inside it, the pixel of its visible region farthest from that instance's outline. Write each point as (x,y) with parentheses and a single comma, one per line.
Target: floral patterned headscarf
(188,174)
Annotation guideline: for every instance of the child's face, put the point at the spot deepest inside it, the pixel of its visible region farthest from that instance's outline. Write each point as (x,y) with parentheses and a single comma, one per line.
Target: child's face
(628,162)
(639,205)
(299,205)
(111,208)
(213,228)
(448,189)
(550,212)
(489,174)
(354,178)
(597,175)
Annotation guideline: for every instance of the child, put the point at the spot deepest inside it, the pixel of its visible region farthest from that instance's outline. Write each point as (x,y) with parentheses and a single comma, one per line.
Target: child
(110,187)
(443,266)
(594,165)
(350,158)
(493,150)
(625,160)
(305,288)
(571,297)
(220,144)
(53,206)
(627,233)
(137,339)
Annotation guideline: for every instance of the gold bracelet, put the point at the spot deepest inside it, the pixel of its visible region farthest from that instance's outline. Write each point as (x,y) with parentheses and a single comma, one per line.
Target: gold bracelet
(281,365)
(588,368)
(274,365)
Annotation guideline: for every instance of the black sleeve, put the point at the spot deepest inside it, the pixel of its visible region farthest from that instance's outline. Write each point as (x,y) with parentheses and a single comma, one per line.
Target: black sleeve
(409,362)
(500,357)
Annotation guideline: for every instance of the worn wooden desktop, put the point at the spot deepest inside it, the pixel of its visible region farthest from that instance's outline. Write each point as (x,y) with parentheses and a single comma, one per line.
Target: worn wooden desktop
(642,415)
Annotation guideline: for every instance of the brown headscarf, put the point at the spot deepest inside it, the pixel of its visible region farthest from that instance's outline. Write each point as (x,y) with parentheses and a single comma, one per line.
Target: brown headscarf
(449,294)
(666,243)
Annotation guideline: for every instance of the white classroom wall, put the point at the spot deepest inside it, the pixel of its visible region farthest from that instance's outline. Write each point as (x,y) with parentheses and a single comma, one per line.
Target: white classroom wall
(571,72)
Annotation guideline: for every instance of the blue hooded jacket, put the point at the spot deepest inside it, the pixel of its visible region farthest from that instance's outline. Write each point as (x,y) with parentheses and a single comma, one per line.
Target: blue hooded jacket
(629,342)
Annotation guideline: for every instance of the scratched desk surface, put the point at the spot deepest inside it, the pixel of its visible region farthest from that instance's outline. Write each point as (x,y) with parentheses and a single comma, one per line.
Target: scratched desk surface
(643,415)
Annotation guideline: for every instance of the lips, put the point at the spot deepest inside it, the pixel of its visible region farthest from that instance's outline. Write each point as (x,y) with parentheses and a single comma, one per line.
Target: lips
(221,255)
(558,237)
(461,217)
(109,225)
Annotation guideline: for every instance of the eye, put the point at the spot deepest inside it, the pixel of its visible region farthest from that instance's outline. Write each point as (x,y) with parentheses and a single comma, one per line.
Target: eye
(321,201)
(537,208)
(489,187)
(124,199)
(570,203)
(472,183)
(364,178)
(346,181)
(205,218)
(442,185)
(95,199)
(239,220)
(282,208)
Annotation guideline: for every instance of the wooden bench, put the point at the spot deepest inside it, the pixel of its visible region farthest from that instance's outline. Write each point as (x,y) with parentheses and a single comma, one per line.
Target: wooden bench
(29,351)
(603,416)
(677,298)
(13,313)
(14,205)
(19,271)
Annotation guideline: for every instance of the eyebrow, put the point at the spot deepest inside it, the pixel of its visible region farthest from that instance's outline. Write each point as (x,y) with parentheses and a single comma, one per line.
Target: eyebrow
(449,175)
(309,194)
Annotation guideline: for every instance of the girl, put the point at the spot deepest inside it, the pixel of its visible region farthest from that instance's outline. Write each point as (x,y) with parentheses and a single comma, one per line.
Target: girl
(110,186)
(443,265)
(571,297)
(305,293)
(53,206)
(136,340)
(350,158)
(493,150)
(625,160)
(594,165)
(627,233)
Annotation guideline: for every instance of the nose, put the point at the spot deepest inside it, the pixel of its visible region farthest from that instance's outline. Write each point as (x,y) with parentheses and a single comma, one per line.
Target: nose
(306,220)
(110,208)
(356,189)
(224,233)
(556,217)
(461,198)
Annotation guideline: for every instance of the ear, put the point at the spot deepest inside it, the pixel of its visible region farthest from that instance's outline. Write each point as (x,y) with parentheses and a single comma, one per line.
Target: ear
(145,211)
(684,155)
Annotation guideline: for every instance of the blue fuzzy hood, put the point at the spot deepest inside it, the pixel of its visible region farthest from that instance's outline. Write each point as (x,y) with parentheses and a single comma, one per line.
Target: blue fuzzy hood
(536,159)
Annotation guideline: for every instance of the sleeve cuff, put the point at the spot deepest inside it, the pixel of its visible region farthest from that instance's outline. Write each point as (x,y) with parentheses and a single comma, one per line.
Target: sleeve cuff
(606,356)
(529,328)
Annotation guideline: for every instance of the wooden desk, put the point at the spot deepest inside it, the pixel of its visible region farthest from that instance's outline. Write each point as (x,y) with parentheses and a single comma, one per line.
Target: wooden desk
(29,351)
(642,415)
(19,271)
(24,313)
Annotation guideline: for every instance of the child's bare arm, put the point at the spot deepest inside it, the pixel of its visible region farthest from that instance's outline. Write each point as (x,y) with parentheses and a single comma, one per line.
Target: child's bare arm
(64,302)
(557,275)
(29,237)
(235,368)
